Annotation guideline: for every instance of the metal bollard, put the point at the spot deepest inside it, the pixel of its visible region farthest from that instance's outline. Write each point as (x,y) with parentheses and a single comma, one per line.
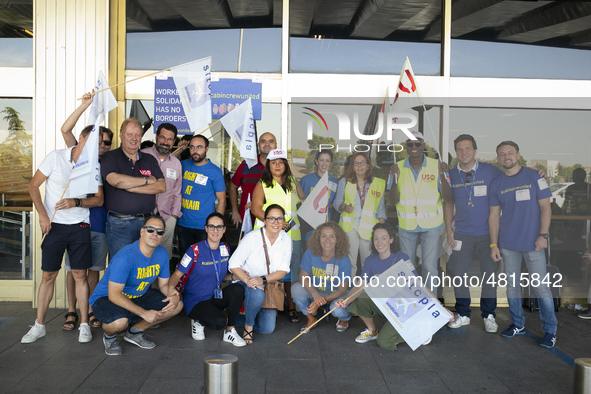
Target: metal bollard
(220,374)
(582,375)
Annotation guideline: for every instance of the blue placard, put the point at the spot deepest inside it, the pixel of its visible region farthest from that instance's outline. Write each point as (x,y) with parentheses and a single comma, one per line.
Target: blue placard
(168,107)
(226,94)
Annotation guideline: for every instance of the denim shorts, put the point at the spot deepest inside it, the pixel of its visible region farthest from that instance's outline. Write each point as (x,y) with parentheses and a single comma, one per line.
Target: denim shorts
(107,312)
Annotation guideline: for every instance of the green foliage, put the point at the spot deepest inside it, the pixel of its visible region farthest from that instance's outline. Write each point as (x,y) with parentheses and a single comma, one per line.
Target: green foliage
(299,153)
(236,159)
(338,157)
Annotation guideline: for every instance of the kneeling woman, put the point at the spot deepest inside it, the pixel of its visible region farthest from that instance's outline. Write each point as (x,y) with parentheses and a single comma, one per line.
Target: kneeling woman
(249,265)
(381,259)
(325,274)
(205,265)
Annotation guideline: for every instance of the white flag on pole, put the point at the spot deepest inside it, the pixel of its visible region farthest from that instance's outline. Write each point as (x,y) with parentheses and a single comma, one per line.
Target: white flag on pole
(247,220)
(193,85)
(240,126)
(407,92)
(85,175)
(314,209)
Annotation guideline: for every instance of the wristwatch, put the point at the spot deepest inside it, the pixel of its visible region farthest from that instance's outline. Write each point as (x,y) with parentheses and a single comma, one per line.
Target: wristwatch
(264,278)
(543,235)
(146,178)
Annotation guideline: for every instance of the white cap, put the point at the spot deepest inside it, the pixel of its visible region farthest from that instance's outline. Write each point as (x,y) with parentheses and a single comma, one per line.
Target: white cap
(277,154)
(417,134)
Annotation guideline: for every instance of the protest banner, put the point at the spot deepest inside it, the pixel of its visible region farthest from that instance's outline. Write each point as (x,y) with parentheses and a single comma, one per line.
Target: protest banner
(240,126)
(167,105)
(227,94)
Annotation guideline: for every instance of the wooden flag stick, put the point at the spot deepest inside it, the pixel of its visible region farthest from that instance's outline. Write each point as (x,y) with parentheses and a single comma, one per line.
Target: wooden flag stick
(209,127)
(52,216)
(148,75)
(327,313)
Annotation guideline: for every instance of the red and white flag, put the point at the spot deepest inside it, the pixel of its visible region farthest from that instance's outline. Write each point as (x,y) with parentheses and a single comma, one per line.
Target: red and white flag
(407,92)
(314,210)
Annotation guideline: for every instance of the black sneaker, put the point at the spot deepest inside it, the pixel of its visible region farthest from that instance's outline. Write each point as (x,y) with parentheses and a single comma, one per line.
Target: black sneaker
(139,339)
(512,331)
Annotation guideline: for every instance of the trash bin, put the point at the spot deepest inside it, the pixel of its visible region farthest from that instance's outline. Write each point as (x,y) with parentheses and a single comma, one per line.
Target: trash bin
(582,376)
(220,374)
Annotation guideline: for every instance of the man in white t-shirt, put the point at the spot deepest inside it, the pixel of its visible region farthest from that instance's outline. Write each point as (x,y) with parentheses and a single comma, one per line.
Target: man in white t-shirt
(69,230)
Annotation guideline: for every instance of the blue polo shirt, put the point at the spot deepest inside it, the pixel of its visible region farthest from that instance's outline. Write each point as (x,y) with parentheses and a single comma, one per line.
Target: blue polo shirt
(473,220)
(200,184)
(518,197)
(308,183)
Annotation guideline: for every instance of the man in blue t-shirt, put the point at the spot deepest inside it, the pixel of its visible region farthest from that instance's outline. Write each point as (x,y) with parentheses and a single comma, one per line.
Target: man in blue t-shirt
(522,231)
(470,184)
(203,184)
(123,299)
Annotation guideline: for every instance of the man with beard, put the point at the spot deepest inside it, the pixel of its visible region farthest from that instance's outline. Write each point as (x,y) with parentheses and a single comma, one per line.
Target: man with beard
(522,232)
(247,178)
(203,184)
(169,202)
(131,180)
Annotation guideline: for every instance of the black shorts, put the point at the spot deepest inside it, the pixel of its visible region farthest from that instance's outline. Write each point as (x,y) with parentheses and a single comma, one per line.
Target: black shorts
(73,237)
(107,312)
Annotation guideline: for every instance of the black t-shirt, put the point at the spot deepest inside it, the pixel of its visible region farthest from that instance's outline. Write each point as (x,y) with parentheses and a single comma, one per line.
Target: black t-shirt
(122,201)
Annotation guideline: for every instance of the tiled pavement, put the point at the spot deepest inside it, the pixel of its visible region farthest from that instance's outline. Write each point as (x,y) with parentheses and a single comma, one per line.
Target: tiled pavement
(324,361)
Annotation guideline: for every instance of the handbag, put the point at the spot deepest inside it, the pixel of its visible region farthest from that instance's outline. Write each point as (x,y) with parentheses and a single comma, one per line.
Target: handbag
(274,293)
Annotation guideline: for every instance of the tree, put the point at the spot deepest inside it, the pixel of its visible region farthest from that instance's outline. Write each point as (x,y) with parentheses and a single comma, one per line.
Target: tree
(338,157)
(16,156)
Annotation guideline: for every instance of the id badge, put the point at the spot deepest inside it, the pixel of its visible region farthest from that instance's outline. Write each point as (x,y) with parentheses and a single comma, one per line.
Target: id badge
(217,293)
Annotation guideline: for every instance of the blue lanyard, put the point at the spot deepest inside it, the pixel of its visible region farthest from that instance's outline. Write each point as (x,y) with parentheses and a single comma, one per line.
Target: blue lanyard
(470,203)
(215,265)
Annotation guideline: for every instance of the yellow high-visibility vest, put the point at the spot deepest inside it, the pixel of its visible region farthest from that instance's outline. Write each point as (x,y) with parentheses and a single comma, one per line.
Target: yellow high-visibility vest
(368,211)
(420,201)
(288,201)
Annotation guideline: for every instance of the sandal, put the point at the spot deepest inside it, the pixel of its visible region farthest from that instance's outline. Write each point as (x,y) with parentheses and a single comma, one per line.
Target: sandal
(247,336)
(293,316)
(69,325)
(93,321)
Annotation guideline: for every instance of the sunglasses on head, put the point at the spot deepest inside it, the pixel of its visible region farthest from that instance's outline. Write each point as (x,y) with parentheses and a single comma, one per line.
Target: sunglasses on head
(107,142)
(416,144)
(151,229)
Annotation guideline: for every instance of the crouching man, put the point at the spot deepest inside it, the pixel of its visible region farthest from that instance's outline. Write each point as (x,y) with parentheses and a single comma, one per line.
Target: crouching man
(123,299)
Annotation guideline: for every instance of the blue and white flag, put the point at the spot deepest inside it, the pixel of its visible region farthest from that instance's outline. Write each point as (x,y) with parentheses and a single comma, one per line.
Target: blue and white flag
(193,85)
(84,178)
(240,126)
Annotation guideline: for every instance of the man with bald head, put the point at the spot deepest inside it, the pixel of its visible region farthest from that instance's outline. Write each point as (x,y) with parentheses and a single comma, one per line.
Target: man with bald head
(247,178)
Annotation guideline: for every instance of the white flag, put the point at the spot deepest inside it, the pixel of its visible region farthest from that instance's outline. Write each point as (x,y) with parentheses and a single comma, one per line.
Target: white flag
(240,126)
(247,220)
(84,178)
(314,209)
(193,85)
(407,93)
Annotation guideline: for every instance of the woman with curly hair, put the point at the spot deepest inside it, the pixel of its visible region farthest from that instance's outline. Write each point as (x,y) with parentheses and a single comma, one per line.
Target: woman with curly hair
(325,274)
(360,200)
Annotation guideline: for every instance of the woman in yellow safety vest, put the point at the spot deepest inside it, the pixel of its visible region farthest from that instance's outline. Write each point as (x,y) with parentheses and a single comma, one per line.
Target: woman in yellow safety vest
(278,186)
(360,200)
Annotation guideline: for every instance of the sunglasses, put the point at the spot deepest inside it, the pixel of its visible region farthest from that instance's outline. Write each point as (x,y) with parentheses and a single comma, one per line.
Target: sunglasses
(468,178)
(151,229)
(416,144)
(107,142)
(212,227)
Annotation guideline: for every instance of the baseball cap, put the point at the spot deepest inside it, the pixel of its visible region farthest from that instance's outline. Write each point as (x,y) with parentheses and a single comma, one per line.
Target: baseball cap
(277,154)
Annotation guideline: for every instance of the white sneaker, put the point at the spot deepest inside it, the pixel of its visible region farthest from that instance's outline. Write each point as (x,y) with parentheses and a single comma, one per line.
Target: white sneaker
(366,336)
(85,334)
(459,321)
(197,330)
(428,341)
(233,338)
(37,331)
(490,325)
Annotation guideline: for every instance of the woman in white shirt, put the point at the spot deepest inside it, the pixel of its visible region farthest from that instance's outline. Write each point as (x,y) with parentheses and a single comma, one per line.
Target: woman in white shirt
(249,265)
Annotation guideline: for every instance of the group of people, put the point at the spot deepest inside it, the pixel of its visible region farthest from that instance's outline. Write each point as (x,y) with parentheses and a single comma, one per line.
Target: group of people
(148,194)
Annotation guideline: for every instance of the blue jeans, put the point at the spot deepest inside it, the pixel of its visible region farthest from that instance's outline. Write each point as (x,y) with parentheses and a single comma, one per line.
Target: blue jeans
(122,232)
(294,265)
(303,299)
(263,320)
(536,264)
(429,252)
(459,265)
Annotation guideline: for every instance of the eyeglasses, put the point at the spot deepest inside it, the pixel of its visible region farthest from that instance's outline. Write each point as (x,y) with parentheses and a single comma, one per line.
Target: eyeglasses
(162,137)
(278,219)
(151,229)
(107,142)
(416,144)
(212,227)
(359,163)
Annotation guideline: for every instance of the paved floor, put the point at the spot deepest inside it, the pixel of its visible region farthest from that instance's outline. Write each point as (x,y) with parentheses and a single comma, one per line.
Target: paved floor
(324,361)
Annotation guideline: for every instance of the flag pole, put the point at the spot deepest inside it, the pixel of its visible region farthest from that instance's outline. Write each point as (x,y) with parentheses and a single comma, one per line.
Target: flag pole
(327,313)
(52,216)
(149,75)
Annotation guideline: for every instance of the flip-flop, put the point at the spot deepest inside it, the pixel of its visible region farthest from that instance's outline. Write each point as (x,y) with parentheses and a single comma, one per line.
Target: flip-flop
(93,321)
(70,325)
